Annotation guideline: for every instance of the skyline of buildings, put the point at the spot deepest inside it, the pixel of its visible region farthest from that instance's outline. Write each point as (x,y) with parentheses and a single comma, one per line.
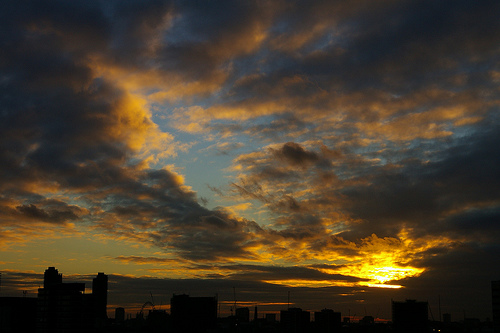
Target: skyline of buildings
(65,307)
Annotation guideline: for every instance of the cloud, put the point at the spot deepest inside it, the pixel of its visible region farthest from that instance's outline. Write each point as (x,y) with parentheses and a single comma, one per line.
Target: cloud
(55,216)
(424,196)
(420,207)
(358,77)
(295,154)
(144,260)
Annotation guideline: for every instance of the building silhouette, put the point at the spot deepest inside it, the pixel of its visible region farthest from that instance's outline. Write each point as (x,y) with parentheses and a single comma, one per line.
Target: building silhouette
(410,316)
(242,315)
(270,317)
(119,315)
(51,277)
(100,299)
(193,314)
(367,321)
(64,307)
(295,320)
(17,314)
(495,300)
(327,321)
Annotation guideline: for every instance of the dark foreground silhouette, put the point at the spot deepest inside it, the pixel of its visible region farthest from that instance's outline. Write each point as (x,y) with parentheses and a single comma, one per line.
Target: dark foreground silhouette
(65,308)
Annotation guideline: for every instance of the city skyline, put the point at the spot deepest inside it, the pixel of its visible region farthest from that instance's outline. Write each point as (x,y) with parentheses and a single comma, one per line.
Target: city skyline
(345,153)
(66,306)
(134,294)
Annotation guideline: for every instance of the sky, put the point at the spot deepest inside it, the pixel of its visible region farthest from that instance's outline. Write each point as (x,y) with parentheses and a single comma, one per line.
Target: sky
(334,154)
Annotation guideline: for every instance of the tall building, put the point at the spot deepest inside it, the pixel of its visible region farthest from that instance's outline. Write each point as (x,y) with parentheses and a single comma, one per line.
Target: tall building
(193,314)
(100,298)
(64,307)
(119,315)
(328,321)
(295,320)
(410,316)
(242,315)
(51,277)
(495,300)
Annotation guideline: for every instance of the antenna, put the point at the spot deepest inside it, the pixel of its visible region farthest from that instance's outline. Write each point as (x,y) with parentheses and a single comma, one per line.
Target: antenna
(430,310)
(152,299)
(218,305)
(288,300)
(439,302)
(234,297)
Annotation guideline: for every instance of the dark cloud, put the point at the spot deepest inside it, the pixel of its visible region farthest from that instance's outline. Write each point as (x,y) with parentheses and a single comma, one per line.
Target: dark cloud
(421,40)
(277,273)
(437,196)
(54,216)
(295,154)
(144,260)
(66,129)
(135,29)
(372,63)
(266,296)
(461,277)
(206,37)
(169,217)
(482,224)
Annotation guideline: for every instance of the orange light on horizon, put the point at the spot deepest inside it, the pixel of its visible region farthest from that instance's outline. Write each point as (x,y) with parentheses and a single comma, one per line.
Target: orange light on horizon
(311,284)
(379,285)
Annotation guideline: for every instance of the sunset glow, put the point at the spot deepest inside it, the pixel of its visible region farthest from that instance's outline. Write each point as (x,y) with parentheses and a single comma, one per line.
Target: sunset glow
(389,286)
